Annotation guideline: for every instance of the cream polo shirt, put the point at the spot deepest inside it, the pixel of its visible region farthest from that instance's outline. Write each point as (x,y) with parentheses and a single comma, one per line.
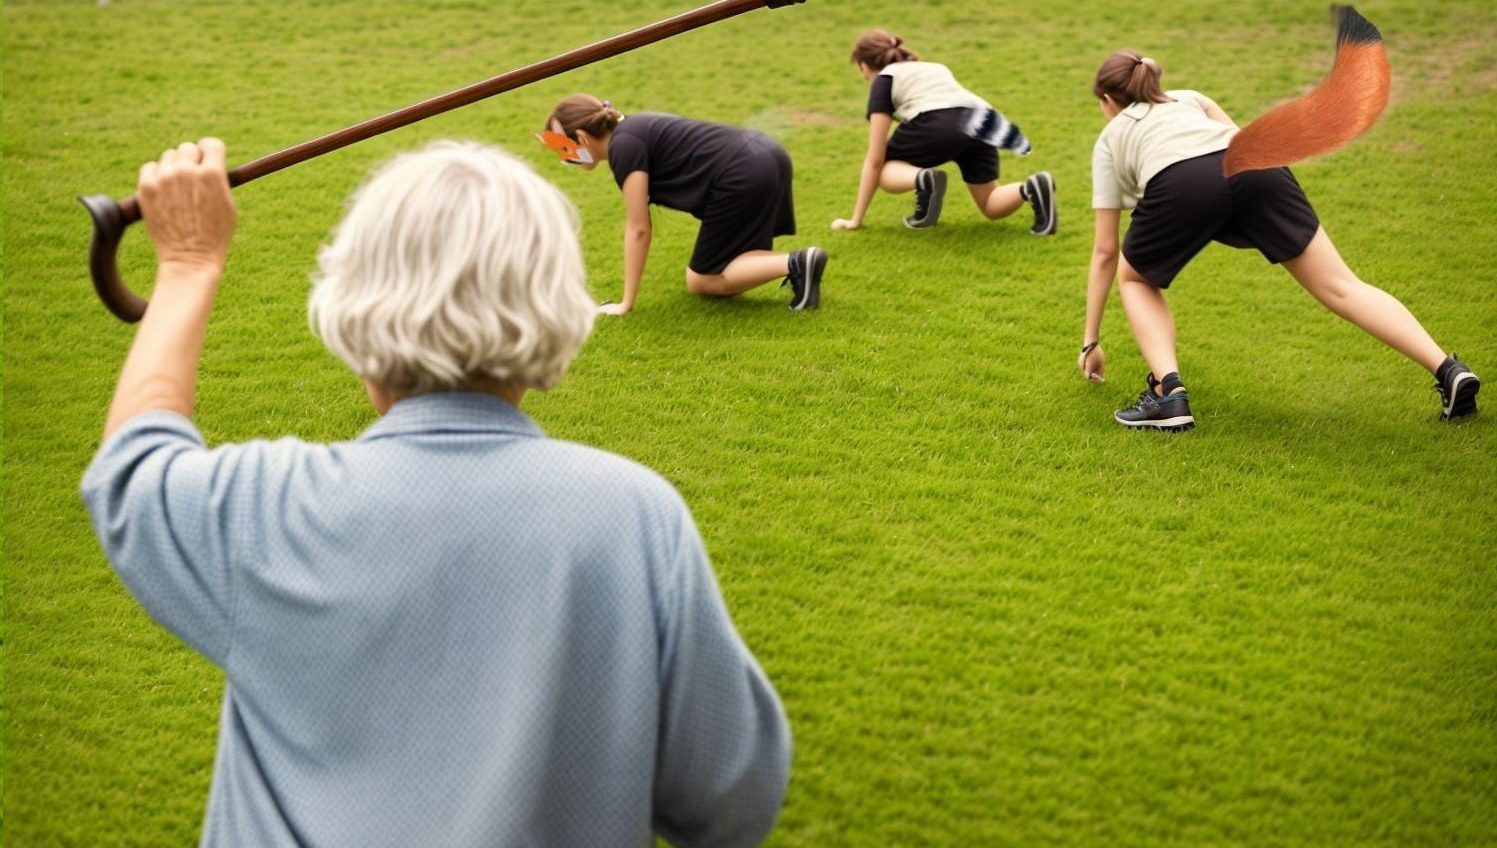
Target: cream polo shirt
(1146,138)
(926,87)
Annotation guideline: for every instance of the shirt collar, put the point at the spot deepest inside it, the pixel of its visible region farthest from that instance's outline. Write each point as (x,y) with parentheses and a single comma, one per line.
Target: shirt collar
(452,412)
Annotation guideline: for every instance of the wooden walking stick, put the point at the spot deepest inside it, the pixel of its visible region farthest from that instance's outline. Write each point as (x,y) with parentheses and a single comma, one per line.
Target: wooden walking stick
(111,217)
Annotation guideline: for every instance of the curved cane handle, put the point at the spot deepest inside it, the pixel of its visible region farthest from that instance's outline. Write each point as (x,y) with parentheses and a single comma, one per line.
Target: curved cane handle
(110,220)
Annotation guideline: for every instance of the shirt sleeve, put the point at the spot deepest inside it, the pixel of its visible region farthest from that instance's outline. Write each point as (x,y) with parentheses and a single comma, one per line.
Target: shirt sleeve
(1106,193)
(627,154)
(881,96)
(724,756)
(171,515)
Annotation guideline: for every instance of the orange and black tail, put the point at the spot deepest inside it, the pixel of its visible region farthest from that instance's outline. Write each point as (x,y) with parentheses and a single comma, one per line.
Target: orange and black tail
(1338,110)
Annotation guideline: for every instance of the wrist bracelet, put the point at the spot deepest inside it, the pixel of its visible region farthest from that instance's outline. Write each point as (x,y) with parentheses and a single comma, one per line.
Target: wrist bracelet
(1088,348)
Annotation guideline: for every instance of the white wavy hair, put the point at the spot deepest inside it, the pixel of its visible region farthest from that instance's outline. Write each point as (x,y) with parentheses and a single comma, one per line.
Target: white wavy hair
(454,263)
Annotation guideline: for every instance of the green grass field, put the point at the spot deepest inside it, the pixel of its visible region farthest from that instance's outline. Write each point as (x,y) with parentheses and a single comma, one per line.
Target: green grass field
(995,618)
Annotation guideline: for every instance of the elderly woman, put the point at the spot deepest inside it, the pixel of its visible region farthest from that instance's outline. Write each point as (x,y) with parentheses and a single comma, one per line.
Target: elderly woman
(451,630)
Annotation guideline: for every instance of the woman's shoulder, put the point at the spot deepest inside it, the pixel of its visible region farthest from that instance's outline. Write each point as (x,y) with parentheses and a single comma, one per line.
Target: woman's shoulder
(1116,125)
(1186,95)
(668,126)
(913,68)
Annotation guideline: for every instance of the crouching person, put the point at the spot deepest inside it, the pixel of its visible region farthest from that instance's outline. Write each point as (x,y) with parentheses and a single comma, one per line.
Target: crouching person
(451,630)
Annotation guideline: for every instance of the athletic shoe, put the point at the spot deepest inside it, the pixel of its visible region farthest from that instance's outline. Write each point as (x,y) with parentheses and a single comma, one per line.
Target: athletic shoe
(1152,412)
(1041,190)
(804,279)
(1457,387)
(930,191)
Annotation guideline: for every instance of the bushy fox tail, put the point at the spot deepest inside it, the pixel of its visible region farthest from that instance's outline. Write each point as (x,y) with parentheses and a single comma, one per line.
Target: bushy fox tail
(1338,110)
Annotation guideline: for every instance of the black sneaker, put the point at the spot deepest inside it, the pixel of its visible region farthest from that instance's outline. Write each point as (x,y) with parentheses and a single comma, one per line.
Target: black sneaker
(1041,190)
(930,191)
(1457,387)
(804,279)
(1152,412)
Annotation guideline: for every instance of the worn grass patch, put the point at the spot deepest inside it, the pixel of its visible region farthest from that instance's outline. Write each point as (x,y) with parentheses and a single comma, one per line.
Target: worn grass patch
(994,618)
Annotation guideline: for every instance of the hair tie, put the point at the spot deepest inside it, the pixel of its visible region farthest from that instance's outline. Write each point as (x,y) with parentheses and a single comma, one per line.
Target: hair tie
(607,104)
(898,41)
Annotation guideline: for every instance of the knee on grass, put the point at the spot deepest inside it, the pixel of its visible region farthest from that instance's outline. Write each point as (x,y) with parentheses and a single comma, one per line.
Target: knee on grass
(703,285)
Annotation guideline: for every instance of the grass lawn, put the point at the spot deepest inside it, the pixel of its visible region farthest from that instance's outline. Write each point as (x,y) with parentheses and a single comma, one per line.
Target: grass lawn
(994,617)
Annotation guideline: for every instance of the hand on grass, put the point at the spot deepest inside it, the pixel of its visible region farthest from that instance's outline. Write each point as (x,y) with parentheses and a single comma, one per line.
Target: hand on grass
(1093,365)
(184,198)
(844,224)
(612,309)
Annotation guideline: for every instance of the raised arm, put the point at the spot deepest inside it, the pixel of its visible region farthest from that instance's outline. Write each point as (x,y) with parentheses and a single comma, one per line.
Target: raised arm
(636,239)
(157,496)
(184,197)
(873,165)
(1104,269)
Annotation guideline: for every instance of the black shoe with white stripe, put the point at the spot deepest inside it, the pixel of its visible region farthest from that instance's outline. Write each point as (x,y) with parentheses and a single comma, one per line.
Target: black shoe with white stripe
(1457,387)
(1169,412)
(804,279)
(930,193)
(1041,190)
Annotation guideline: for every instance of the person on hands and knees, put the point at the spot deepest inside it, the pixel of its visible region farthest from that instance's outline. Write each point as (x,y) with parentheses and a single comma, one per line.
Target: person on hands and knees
(451,630)
(737,182)
(940,122)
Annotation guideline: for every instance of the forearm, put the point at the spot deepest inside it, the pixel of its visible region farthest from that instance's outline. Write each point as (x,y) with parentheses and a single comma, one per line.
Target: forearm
(1104,269)
(161,369)
(636,250)
(867,184)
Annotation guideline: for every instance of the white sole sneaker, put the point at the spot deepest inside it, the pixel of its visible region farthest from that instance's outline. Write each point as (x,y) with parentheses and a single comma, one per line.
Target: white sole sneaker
(932,206)
(1042,195)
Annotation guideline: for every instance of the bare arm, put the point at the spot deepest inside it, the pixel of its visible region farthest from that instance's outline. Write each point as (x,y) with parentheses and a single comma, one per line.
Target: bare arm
(184,198)
(873,165)
(1104,269)
(1216,113)
(636,236)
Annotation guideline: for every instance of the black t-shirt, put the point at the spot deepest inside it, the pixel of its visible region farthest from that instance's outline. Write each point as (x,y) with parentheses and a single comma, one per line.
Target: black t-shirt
(881,96)
(681,156)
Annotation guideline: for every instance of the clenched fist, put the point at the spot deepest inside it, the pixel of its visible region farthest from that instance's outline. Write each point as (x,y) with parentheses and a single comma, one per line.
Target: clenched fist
(184,198)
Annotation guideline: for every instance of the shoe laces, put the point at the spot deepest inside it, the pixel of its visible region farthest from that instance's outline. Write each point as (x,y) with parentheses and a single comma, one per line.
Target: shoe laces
(1440,384)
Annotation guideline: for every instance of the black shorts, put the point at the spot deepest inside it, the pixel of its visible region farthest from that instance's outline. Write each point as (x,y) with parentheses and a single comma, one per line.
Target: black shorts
(748,204)
(1190,204)
(935,138)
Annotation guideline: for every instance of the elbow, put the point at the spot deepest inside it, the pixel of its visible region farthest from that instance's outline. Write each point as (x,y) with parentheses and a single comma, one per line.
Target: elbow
(115,496)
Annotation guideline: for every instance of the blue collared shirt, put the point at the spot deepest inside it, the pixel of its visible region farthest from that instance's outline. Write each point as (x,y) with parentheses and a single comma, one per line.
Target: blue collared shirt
(451,631)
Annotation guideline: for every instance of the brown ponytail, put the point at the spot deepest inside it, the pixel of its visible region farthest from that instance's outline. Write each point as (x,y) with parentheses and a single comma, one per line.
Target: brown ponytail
(587,113)
(879,49)
(1128,77)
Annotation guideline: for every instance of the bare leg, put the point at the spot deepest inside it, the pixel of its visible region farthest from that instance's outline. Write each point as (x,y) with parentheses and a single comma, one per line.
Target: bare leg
(1149,315)
(897,177)
(996,201)
(751,269)
(1322,272)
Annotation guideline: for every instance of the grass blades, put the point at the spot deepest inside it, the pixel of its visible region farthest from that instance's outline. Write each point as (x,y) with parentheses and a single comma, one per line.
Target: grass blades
(995,617)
